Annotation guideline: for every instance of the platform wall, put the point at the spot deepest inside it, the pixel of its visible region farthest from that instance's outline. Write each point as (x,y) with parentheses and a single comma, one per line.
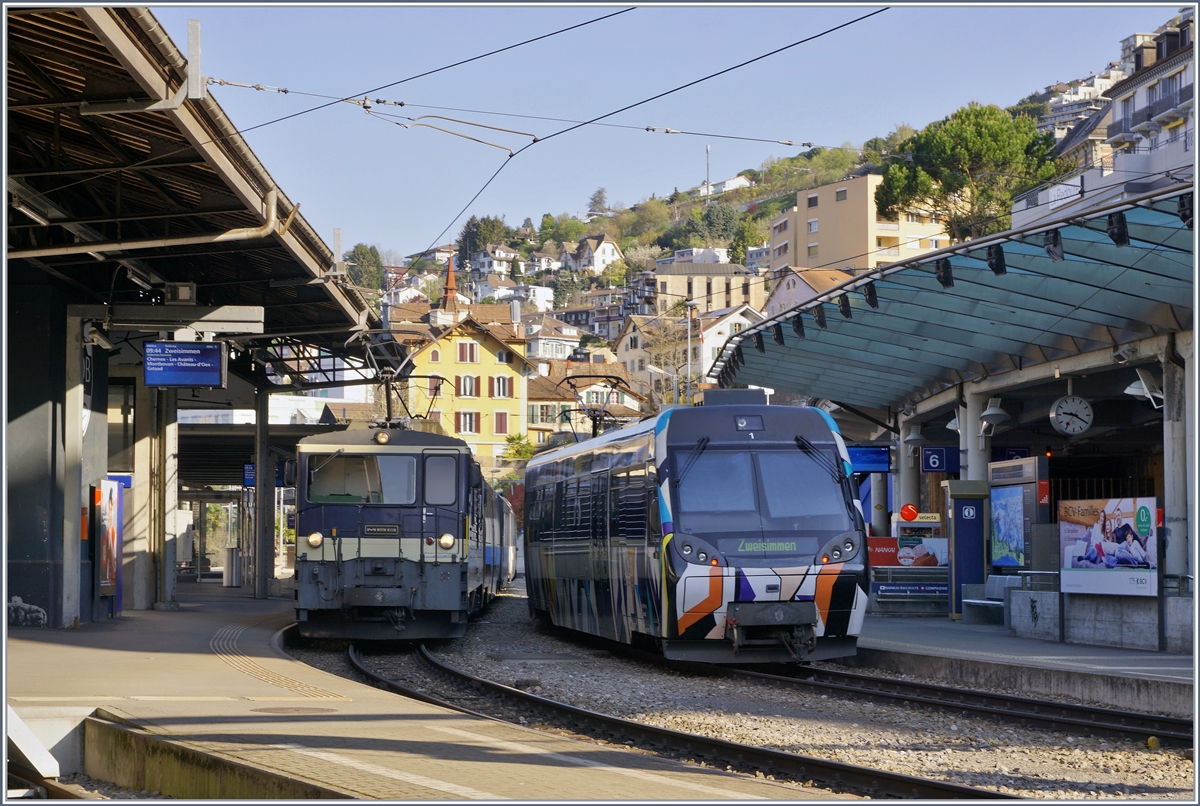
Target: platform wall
(1119,621)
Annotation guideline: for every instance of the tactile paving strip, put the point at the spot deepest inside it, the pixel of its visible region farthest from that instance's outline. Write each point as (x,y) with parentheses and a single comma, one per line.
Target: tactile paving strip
(225,645)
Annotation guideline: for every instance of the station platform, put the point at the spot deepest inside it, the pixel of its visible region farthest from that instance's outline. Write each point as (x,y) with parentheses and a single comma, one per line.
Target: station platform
(990,656)
(203,703)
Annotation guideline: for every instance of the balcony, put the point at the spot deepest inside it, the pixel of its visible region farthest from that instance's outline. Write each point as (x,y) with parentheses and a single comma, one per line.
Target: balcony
(892,251)
(1141,123)
(1166,111)
(1185,97)
(1120,132)
(886,224)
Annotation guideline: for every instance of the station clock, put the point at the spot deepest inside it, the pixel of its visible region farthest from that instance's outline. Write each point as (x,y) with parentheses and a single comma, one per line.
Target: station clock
(1071,415)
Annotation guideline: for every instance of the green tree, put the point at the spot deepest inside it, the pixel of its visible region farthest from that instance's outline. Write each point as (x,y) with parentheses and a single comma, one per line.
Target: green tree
(966,169)
(494,231)
(468,242)
(547,228)
(650,216)
(1034,105)
(366,266)
(720,221)
(598,203)
(565,287)
(749,232)
(519,447)
(568,230)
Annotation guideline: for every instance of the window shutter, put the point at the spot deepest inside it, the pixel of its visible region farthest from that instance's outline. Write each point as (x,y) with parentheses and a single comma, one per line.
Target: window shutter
(458,386)
(462,351)
(532,414)
(458,422)
(502,422)
(491,386)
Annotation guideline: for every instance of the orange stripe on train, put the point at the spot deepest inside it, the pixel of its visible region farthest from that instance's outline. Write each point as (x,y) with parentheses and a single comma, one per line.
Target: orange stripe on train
(825,579)
(716,589)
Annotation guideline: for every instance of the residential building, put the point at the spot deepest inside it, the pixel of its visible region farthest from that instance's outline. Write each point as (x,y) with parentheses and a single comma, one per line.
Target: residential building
(494,259)
(758,258)
(1153,107)
(579,317)
(715,328)
(538,296)
(495,286)
(1152,133)
(724,186)
(837,226)
(549,338)
(694,255)
(468,370)
(556,405)
(438,254)
(593,254)
(539,262)
(713,285)
(797,286)
(1082,99)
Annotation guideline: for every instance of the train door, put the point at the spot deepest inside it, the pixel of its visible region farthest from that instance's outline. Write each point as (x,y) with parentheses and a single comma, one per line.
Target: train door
(650,568)
(602,581)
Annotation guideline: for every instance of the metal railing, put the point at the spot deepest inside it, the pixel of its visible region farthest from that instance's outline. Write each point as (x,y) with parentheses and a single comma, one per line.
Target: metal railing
(1185,93)
(1166,103)
(890,251)
(1039,581)
(886,225)
(1118,127)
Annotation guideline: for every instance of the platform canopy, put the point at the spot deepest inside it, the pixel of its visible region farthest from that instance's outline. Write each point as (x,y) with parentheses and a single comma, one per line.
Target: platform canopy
(127,180)
(924,334)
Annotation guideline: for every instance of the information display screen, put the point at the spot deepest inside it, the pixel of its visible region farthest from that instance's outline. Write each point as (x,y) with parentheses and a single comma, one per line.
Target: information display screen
(199,364)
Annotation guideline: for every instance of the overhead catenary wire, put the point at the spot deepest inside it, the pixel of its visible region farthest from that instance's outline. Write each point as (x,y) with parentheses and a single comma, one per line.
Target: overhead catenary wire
(644,101)
(242,132)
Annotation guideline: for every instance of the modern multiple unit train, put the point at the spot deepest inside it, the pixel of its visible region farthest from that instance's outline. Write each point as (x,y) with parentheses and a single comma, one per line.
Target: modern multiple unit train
(726,533)
(398,535)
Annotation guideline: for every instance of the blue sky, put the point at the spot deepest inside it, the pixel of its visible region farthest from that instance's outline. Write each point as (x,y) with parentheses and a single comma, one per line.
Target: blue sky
(399,188)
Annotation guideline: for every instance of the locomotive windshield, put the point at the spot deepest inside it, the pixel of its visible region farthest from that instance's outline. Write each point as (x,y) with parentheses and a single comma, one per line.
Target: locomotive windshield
(343,478)
(766,503)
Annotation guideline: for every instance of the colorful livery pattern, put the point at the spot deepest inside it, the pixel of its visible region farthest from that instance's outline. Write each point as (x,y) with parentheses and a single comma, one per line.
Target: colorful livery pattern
(719,533)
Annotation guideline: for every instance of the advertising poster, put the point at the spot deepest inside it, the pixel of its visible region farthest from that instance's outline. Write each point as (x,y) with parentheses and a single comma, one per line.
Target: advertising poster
(911,552)
(1008,526)
(107,526)
(1108,546)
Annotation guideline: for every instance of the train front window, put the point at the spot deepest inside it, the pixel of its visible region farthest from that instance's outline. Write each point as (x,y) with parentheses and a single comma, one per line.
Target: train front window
(759,505)
(440,486)
(801,495)
(716,494)
(342,478)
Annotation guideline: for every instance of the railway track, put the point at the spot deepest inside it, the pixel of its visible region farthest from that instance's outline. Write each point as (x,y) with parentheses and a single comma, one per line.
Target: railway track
(747,758)
(24,782)
(1062,717)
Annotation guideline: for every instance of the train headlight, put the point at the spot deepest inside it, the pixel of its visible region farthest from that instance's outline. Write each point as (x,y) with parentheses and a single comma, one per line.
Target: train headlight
(315,539)
(842,548)
(446,541)
(687,548)
(702,557)
(382,437)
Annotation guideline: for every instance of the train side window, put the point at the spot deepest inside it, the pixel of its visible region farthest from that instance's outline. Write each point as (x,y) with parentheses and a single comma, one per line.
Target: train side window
(614,503)
(440,480)
(653,521)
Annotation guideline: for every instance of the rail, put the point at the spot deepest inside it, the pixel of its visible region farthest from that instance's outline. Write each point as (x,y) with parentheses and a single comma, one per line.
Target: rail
(797,767)
(31,784)
(1061,717)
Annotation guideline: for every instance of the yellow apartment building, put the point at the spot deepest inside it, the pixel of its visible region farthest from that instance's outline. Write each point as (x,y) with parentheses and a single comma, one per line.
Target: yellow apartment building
(836,226)
(473,379)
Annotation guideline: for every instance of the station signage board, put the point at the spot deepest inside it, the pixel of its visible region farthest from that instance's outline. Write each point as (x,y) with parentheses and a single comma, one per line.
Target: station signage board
(939,459)
(195,364)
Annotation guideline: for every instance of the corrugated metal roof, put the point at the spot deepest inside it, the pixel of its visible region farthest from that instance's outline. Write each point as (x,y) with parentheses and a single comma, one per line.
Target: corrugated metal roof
(923,337)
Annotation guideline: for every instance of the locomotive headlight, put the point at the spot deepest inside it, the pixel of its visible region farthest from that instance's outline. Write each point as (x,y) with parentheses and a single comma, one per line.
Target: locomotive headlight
(315,539)
(446,541)
(687,548)
(702,556)
(382,437)
(842,548)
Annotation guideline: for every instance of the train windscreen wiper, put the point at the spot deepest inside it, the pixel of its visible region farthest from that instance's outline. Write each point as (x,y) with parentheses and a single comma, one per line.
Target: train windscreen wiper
(332,456)
(701,444)
(832,467)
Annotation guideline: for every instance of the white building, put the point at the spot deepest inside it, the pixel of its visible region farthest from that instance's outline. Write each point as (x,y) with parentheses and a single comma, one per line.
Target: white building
(494,259)
(724,186)
(593,254)
(541,262)
(493,285)
(758,258)
(549,338)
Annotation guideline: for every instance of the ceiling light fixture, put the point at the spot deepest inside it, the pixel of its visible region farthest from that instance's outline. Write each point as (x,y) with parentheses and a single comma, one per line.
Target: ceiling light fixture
(1052,243)
(870,294)
(798,325)
(843,303)
(943,272)
(819,316)
(777,333)
(1118,229)
(758,342)
(995,259)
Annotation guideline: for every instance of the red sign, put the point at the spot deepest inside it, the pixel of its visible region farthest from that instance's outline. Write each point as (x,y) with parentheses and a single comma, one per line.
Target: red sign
(1044,492)
(908,512)
(905,551)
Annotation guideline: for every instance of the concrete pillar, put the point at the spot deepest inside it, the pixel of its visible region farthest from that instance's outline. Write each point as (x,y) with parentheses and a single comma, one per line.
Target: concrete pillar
(879,504)
(979,449)
(962,442)
(1185,345)
(264,497)
(168,496)
(139,540)
(909,487)
(1175,476)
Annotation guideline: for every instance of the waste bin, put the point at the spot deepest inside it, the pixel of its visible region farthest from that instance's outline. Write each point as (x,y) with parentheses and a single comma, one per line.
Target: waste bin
(232,574)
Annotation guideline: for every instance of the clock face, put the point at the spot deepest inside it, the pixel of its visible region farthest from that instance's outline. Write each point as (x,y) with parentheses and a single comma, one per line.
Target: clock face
(1071,415)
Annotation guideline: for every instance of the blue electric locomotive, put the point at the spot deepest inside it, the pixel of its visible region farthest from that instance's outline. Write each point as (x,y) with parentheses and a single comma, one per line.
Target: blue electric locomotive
(398,535)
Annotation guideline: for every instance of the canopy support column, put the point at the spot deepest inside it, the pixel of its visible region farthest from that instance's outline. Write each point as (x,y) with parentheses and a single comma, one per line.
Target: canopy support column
(1175,465)
(979,448)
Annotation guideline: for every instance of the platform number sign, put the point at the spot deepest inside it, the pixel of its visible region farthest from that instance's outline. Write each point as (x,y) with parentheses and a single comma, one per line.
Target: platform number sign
(939,460)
